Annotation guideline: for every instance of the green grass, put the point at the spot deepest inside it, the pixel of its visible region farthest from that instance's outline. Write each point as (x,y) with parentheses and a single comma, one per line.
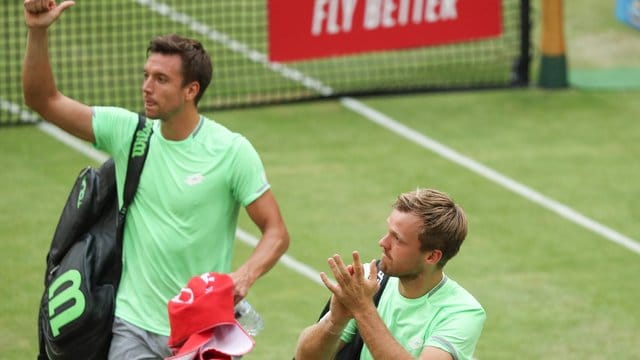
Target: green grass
(552,289)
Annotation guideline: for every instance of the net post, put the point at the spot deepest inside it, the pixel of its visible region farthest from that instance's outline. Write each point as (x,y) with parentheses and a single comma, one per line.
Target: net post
(553,65)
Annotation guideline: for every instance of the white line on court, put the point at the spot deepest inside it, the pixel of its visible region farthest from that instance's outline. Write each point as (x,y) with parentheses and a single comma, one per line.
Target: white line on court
(286,260)
(486,172)
(15,109)
(73,142)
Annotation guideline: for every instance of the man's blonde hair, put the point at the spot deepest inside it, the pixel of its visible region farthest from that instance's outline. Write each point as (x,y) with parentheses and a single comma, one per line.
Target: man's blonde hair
(444,224)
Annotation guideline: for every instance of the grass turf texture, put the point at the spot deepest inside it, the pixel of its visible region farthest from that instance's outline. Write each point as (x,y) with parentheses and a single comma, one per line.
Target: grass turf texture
(551,288)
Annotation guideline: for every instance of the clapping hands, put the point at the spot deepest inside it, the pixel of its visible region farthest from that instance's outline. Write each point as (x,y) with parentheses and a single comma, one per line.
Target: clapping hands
(352,291)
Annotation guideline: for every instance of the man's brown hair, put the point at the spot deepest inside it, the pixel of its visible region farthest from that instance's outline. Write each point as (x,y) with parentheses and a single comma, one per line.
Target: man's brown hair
(196,64)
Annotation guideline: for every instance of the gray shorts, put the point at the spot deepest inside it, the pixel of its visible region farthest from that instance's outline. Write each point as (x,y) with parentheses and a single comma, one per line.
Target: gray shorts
(133,343)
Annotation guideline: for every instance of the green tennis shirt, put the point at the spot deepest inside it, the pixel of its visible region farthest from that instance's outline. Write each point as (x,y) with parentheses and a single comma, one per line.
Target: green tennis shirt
(448,317)
(183,218)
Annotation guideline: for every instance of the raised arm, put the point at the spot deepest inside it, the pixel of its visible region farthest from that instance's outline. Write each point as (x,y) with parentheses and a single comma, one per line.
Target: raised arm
(38,83)
(274,242)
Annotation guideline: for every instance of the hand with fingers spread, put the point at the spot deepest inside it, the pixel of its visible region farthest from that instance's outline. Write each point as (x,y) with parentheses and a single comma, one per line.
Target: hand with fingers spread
(352,297)
(43,13)
(352,289)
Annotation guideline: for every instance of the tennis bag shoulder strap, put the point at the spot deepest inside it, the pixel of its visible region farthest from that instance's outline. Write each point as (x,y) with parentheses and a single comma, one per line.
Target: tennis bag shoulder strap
(352,350)
(84,260)
(137,156)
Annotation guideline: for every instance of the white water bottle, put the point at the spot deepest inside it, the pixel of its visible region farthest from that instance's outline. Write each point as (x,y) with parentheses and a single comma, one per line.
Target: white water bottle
(248,318)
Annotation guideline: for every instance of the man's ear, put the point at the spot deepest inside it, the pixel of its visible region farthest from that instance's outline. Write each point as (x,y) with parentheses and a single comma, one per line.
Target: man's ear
(433,256)
(192,90)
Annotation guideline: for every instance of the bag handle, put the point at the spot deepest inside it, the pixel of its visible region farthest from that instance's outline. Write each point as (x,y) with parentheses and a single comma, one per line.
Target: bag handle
(137,155)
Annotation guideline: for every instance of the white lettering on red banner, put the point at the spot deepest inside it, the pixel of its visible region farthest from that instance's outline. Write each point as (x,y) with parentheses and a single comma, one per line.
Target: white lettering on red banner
(308,29)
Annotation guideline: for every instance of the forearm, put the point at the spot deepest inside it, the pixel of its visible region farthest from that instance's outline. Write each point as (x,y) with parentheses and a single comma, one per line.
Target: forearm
(272,245)
(376,335)
(38,84)
(319,341)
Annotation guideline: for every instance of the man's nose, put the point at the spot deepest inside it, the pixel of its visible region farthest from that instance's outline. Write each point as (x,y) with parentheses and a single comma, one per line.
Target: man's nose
(146,85)
(383,241)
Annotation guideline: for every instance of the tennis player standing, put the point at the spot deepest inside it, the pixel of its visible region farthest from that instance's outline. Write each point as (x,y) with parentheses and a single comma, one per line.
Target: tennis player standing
(196,177)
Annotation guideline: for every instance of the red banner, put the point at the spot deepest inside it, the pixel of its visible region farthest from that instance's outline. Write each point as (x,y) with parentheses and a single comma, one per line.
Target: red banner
(308,29)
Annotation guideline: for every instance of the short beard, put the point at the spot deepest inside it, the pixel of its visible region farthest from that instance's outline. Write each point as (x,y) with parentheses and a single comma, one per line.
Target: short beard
(402,275)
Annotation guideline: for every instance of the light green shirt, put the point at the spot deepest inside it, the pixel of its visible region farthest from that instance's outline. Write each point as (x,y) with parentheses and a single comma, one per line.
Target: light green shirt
(183,218)
(448,317)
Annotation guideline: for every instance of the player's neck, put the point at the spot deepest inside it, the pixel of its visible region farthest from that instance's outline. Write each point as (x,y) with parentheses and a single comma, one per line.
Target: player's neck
(418,286)
(181,125)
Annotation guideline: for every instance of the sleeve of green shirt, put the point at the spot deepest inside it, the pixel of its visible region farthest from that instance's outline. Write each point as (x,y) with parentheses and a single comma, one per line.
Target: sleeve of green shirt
(248,178)
(458,333)
(349,331)
(113,128)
